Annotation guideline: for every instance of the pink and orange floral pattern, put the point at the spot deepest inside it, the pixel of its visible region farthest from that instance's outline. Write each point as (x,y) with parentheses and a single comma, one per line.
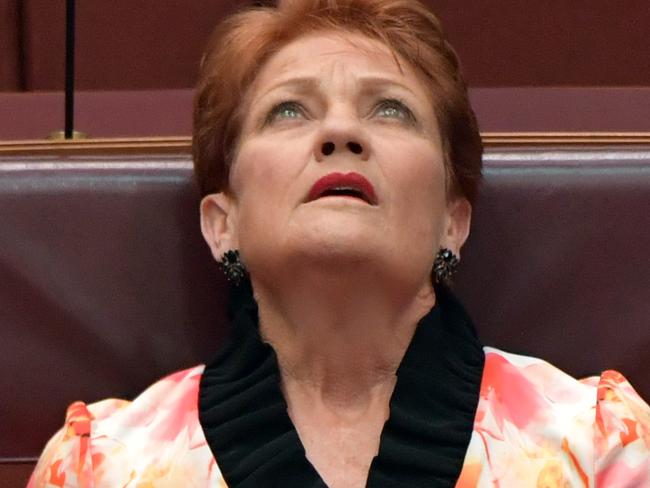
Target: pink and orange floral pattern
(535,427)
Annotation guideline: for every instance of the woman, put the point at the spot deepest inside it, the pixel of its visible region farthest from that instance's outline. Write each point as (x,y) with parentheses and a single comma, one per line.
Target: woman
(339,160)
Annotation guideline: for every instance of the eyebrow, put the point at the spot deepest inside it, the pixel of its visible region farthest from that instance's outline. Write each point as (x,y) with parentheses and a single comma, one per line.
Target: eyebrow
(305,84)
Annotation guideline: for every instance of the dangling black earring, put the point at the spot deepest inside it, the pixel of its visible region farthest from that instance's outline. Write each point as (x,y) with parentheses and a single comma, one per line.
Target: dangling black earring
(232,267)
(445,266)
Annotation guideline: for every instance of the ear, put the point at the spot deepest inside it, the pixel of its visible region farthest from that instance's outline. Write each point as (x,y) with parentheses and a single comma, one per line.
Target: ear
(218,217)
(459,218)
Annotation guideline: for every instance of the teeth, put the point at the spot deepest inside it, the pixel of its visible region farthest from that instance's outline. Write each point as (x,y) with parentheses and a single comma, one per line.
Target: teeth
(342,189)
(345,188)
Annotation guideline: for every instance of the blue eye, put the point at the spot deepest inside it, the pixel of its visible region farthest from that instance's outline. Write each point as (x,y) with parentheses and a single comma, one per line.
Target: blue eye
(394,109)
(285,110)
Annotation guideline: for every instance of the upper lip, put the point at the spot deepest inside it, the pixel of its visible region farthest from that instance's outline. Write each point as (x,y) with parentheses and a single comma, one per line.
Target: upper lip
(352,184)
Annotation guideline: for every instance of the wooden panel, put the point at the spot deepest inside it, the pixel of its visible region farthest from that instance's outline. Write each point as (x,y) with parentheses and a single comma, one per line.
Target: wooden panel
(121,44)
(554,42)
(98,114)
(183,145)
(168,112)
(149,44)
(9,46)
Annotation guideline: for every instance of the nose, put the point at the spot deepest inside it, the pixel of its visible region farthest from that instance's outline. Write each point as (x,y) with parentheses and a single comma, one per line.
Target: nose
(343,138)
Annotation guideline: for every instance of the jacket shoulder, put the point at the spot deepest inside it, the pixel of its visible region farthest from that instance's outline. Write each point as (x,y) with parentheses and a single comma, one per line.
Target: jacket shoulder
(106,440)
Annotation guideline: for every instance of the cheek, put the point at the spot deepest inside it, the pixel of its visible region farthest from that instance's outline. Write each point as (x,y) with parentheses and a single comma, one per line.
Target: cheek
(261,179)
(249,168)
(421,199)
(422,183)
(260,174)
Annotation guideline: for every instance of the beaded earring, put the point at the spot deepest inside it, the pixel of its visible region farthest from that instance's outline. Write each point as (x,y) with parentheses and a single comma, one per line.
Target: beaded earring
(445,266)
(232,266)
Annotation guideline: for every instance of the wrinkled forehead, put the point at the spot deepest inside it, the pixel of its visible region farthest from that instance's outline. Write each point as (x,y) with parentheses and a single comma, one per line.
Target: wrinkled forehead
(335,55)
(334,48)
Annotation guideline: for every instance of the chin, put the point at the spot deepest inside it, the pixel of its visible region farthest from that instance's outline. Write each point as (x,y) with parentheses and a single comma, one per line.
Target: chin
(341,241)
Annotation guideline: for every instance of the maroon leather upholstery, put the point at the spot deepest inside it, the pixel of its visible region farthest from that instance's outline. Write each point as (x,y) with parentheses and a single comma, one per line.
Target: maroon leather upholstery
(106,285)
(557,264)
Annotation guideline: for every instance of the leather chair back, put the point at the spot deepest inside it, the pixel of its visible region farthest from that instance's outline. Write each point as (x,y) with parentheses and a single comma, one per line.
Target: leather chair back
(106,284)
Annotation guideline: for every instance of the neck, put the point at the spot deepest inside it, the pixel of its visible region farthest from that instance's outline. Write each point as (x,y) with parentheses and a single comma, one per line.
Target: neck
(340,342)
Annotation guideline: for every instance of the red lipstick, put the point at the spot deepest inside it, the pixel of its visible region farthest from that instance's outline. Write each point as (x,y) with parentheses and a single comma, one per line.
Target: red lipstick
(343,184)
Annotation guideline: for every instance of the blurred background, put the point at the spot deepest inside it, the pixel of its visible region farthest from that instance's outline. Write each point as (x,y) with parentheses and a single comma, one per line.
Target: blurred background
(546,65)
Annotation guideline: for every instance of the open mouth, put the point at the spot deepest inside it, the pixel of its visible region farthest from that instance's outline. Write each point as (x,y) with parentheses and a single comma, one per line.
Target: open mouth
(349,185)
(344,192)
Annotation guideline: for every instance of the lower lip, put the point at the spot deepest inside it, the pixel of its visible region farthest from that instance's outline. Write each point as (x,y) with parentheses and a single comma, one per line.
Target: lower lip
(345,197)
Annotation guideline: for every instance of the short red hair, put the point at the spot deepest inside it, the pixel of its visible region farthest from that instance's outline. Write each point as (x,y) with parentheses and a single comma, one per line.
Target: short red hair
(243,42)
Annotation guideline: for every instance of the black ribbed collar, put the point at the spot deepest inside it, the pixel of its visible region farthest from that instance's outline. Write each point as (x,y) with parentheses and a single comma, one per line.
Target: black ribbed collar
(244,415)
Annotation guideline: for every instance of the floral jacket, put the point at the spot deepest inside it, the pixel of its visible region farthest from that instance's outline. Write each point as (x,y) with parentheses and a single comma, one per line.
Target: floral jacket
(534,426)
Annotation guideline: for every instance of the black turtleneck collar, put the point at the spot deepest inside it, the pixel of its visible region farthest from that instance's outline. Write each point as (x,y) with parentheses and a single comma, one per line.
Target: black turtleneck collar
(244,415)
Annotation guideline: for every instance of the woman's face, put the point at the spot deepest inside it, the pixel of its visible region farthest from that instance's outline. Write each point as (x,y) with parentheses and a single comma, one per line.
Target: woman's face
(339,161)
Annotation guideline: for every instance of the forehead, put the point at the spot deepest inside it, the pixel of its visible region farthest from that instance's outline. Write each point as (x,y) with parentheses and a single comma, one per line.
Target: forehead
(331,55)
